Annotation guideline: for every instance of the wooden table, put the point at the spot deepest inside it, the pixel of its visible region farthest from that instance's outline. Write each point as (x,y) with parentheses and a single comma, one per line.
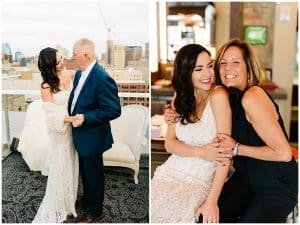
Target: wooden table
(158,153)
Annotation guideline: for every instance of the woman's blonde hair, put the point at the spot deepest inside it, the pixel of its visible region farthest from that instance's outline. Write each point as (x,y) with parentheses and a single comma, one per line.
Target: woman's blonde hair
(252,64)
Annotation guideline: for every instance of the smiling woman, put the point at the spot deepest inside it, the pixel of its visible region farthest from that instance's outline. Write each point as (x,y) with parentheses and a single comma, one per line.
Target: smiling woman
(264,186)
(190,180)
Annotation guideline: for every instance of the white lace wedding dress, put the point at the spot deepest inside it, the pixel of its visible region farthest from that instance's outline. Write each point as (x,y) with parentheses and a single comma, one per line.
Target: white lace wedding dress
(62,159)
(181,184)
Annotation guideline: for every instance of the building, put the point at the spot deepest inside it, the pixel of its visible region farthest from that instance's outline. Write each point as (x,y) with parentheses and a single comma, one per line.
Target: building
(102,58)
(6,49)
(31,66)
(141,65)
(146,50)
(12,71)
(132,53)
(23,61)
(134,87)
(125,75)
(18,56)
(117,57)
(109,44)
(5,66)
(7,57)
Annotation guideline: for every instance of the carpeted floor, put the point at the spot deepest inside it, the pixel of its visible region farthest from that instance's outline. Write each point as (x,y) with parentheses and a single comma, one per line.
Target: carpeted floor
(23,190)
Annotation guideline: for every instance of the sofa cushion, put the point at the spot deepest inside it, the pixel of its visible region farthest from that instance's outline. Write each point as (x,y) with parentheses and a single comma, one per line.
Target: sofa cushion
(119,152)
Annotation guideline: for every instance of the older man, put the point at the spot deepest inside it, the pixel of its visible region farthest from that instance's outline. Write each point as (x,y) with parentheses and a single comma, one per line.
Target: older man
(94,101)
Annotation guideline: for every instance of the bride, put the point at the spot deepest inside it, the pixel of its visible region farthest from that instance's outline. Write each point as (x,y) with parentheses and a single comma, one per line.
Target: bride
(61,159)
(190,181)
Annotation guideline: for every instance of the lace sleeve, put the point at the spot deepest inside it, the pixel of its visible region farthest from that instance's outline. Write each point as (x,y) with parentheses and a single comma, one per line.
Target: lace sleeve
(55,117)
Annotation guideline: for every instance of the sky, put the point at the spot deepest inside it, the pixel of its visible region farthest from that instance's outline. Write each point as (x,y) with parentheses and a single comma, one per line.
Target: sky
(29,26)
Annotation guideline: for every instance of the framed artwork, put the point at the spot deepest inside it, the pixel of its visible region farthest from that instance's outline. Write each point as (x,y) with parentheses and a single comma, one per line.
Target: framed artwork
(255,35)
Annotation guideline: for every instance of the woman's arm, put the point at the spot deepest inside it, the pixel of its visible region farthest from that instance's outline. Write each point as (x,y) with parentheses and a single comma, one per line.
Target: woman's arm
(47,96)
(208,152)
(68,119)
(221,109)
(261,113)
(173,145)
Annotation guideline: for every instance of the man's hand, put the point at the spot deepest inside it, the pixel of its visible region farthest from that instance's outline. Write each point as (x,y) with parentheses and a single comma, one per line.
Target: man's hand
(78,120)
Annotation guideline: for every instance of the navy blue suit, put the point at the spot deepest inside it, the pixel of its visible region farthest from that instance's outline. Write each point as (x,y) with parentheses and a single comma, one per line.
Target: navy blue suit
(98,101)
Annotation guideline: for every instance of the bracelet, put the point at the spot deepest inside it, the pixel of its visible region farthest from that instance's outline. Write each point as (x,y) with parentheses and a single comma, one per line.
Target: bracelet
(235,149)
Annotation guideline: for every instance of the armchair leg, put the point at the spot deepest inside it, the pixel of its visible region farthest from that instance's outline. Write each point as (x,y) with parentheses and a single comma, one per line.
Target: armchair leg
(136,181)
(136,172)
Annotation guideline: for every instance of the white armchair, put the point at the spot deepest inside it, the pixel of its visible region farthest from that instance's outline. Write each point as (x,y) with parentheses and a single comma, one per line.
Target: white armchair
(129,132)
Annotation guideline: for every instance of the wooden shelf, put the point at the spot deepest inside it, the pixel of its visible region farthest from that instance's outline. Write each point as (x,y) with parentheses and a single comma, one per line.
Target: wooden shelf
(294,108)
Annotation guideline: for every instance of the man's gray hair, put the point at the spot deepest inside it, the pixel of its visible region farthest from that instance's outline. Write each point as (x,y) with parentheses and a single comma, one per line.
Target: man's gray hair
(88,46)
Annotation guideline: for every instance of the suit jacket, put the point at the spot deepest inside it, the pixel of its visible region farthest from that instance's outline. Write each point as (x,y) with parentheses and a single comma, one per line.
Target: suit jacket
(99,102)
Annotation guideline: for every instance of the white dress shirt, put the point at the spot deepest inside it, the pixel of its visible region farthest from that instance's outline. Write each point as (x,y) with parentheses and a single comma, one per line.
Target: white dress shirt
(81,81)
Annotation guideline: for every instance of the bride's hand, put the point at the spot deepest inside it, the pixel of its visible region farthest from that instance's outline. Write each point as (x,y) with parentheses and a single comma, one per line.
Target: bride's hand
(68,119)
(214,153)
(226,140)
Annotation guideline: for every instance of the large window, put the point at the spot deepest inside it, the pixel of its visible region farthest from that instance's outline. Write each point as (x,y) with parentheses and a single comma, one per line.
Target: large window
(189,22)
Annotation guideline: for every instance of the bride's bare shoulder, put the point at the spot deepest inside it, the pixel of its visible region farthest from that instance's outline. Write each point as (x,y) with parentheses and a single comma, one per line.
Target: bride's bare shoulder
(46,93)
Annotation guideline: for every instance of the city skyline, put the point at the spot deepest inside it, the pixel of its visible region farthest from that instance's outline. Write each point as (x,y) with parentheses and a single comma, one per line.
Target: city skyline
(31,26)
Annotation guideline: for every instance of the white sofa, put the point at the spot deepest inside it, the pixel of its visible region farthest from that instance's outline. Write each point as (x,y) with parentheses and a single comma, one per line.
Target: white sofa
(129,133)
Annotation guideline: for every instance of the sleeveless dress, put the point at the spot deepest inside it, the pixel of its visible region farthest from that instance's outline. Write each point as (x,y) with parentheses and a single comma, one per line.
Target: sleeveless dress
(181,184)
(62,159)
(272,186)
(260,174)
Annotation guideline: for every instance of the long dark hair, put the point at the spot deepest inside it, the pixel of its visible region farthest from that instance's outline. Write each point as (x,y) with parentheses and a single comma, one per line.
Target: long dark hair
(185,101)
(47,66)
